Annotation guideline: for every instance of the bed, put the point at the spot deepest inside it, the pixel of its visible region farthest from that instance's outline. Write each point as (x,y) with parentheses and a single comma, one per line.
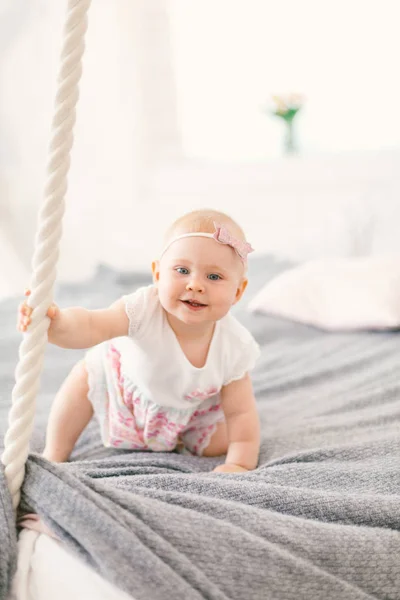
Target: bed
(319,518)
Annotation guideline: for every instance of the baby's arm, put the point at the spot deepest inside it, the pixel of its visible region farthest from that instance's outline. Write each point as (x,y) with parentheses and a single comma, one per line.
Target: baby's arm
(81,328)
(239,406)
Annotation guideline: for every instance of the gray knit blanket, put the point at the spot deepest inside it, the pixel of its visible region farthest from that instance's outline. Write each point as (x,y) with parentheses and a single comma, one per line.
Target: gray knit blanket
(318,519)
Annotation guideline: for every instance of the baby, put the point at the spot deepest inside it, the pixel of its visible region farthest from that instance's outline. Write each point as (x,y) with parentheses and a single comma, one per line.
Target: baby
(168,365)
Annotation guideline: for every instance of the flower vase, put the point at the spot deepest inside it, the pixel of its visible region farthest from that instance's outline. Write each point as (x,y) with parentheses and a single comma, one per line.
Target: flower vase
(286,108)
(289,141)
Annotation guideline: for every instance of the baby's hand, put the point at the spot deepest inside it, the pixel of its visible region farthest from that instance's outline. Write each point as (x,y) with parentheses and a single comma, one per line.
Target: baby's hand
(25,311)
(229,468)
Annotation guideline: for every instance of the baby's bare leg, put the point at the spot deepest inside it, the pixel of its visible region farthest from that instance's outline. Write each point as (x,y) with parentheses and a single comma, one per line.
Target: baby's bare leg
(219,441)
(69,415)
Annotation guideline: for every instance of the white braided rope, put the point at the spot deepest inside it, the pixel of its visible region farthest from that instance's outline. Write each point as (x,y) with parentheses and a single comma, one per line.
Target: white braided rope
(32,348)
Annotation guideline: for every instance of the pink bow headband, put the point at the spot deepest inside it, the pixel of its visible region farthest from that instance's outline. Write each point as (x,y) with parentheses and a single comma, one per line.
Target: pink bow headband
(221,235)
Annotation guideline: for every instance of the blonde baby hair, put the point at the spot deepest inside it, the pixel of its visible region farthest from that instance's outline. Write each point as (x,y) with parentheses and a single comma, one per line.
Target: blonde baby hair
(203,220)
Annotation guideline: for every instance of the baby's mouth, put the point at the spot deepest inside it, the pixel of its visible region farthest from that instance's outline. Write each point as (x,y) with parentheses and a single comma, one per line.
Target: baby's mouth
(194,303)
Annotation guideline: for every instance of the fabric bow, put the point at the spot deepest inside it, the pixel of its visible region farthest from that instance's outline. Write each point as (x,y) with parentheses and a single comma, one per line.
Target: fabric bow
(223,236)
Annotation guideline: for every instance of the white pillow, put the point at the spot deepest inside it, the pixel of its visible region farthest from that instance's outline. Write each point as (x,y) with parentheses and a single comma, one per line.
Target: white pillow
(336,294)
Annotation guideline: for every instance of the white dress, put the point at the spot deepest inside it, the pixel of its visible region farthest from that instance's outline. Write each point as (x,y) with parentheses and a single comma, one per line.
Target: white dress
(146,393)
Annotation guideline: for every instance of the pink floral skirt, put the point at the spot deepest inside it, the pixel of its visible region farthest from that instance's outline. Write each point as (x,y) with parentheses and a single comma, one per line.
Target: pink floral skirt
(129,420)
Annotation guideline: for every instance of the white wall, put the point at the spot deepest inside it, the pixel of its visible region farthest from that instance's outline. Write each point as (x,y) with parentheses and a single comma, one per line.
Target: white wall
(231,55)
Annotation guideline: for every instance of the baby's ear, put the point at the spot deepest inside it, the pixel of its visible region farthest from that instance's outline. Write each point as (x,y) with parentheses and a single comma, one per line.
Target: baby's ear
(239,292)
(155,268)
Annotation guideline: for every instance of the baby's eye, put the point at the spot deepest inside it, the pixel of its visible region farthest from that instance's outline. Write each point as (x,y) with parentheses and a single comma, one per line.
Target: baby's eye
(214,276)
(182,270)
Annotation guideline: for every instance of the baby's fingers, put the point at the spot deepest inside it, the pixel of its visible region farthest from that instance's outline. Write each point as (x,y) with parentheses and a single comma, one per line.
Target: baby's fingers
(53,311)
(25,312)
(24,316)
(24,309)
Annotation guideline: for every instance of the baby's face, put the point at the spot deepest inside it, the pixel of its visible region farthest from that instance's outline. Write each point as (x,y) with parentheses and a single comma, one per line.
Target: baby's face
(199,279)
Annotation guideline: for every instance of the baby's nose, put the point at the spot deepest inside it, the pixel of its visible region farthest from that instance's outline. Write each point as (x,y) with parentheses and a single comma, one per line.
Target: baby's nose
(195,286)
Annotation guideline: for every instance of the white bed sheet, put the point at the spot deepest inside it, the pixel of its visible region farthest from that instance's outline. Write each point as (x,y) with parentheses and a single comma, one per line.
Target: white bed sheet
(46,570)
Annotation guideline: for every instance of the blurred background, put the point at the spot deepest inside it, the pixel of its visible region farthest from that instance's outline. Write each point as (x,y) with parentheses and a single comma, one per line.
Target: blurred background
(283,114)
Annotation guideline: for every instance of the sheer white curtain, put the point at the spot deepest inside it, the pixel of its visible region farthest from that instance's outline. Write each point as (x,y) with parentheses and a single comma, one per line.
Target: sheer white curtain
(126,124)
